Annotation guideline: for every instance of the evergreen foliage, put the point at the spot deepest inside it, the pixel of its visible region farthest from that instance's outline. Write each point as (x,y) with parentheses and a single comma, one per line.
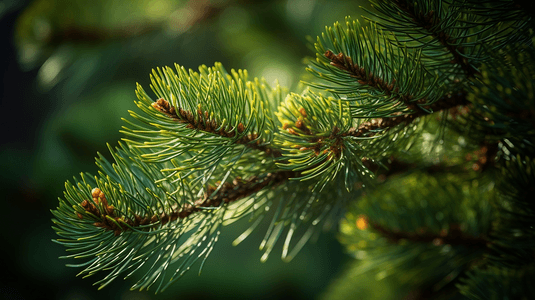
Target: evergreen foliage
(418,126)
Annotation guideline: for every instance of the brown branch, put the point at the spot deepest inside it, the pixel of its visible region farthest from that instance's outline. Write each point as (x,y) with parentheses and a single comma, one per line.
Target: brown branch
(238,189)
(345,63)
(454,236)
(429,21)
(446,102)
(369,128)
(110,219)
(203,123)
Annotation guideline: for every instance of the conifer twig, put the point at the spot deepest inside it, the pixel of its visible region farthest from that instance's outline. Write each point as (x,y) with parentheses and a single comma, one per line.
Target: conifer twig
(227,193)
(429,21)
(344,62)
(446,102)
(204,123)
(454,236)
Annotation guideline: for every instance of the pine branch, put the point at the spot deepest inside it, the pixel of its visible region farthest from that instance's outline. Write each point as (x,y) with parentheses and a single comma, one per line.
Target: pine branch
(204,123)
(212,198)
(454,236)
(214,147)
(205,117)
(370,128)
(376,76)
(345,63)
(324,146)
(431,23)
(406,230)
(370,89)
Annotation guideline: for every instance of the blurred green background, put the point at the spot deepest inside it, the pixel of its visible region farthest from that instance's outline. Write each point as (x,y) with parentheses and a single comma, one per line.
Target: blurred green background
(69,73)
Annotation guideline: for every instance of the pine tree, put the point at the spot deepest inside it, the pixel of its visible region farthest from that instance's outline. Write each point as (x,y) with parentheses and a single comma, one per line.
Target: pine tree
(415,135)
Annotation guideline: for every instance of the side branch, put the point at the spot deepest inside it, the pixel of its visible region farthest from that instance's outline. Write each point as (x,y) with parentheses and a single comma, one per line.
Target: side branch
(369,128)
(204,123)
(454,236)
(227,193)
(345,63)
(429,22)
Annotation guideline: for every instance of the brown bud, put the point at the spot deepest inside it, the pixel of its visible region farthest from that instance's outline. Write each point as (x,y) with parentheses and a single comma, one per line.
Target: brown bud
(291,131)
(303,112)
(99,224)
(95,193)
(79,215)
(241,128)
(156,106)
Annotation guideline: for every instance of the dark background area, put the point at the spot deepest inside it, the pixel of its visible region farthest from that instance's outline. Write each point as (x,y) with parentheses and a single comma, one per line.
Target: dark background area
(69,74)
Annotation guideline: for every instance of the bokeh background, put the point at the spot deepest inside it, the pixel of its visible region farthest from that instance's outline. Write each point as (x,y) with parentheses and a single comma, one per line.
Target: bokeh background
(69,74)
